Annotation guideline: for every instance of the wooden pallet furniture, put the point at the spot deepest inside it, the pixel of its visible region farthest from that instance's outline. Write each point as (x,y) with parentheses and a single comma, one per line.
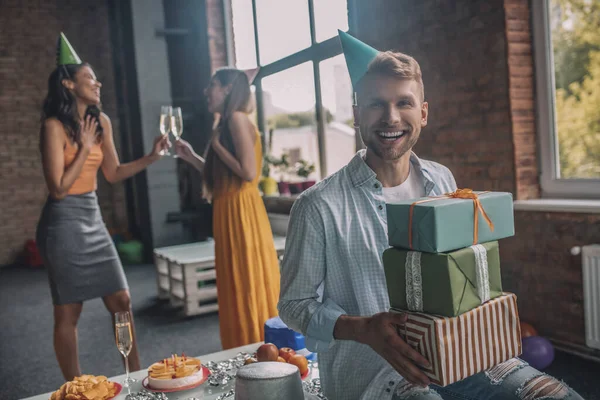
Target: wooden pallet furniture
(185,274)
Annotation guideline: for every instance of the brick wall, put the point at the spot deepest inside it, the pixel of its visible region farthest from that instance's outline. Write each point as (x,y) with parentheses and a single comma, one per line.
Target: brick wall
(522,103)
(538,267)
(461,47)
(217,45)
(479,80)
(478,72)
(27,56)
(536,263)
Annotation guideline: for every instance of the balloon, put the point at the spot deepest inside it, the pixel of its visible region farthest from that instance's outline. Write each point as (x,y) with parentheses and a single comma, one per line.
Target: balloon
(538,352)
(527,330)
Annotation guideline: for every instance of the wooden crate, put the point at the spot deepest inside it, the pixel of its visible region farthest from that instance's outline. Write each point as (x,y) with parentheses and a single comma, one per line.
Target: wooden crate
(186,275)
(164,255)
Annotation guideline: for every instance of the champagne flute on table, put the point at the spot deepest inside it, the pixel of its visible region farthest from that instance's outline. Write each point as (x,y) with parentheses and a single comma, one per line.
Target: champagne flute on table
(166,114)
(124,341)
(176,124)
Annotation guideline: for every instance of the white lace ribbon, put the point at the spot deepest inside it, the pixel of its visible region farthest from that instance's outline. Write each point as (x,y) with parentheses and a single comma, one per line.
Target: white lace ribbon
(414,282)
(481,268)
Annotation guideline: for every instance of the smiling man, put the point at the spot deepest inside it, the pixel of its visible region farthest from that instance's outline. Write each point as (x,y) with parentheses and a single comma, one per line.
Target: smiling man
(336,237)
(338,232)
(390,114)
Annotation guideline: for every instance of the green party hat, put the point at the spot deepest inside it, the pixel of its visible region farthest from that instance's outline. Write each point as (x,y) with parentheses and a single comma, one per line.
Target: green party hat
(358,56)
(65,54)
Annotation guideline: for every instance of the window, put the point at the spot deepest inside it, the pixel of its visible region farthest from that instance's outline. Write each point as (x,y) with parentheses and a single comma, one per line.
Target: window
(336,90)
(303,90)
(330,15)
(295,154)
(289,110)
(567,50)
(283,28)
(243,31)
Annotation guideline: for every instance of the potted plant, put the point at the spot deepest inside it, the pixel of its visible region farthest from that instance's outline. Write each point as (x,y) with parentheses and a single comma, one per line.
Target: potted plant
(282,165)
(295,187)
(303,170)
(267,184)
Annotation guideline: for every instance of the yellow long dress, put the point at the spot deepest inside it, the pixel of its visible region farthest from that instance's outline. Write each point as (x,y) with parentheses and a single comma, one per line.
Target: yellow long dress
(245,257)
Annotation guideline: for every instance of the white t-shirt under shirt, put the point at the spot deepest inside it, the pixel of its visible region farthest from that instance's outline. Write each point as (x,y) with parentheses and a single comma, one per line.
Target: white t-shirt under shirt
(411,188)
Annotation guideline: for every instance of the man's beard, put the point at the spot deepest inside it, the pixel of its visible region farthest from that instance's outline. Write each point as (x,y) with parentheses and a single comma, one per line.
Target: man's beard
(391,153)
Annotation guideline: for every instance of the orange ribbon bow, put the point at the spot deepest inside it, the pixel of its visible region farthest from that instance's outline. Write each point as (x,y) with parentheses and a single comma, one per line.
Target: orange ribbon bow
(466,194)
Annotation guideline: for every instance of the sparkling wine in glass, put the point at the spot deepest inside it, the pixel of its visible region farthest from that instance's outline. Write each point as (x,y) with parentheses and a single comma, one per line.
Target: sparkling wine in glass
(124,339)
(166,115)
(176,124)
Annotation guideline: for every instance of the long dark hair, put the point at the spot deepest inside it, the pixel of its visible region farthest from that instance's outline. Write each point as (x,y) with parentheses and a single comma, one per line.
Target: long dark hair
(238,99)
(60,102)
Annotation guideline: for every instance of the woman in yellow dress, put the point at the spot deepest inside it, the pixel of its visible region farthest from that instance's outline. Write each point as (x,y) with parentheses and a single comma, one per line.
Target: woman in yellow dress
(245,258)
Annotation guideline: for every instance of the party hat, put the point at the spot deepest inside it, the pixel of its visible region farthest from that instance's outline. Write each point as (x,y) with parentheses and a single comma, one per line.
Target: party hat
(358,56)
(65,54)
(251,74)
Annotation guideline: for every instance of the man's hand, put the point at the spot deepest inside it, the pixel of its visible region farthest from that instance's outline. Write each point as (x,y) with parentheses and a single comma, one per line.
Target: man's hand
(380,332)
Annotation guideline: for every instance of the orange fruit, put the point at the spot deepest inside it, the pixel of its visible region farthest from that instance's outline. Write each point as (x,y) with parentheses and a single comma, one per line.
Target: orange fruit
(299,361)
(280,359)
(286,353)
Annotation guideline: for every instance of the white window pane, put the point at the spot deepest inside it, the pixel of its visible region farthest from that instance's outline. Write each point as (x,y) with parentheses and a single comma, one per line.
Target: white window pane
(243,34)
(283,28)
(336,91)
(330,15)
(289,106)
(575,40)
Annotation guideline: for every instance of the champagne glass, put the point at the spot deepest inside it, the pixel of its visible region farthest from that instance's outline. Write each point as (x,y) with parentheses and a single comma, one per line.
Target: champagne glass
(124,341)
(166,114)
(176,124)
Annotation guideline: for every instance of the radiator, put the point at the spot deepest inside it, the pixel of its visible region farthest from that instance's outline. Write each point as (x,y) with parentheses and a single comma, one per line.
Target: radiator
(590,262)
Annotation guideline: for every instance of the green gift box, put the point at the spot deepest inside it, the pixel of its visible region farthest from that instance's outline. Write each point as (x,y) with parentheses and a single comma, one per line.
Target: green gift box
(446,284)
(441,224)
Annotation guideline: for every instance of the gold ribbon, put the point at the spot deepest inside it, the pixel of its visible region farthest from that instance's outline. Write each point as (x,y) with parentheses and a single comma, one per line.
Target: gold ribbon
(465,194)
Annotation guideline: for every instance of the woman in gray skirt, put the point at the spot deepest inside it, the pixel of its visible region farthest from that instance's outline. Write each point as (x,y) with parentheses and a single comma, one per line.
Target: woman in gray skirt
(82,263)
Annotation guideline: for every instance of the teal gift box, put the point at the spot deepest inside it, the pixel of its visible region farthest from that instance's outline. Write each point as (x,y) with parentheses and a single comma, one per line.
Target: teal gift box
(446,223)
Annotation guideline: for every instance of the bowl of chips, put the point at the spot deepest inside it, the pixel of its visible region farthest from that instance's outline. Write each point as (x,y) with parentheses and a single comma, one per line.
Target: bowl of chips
(87,387)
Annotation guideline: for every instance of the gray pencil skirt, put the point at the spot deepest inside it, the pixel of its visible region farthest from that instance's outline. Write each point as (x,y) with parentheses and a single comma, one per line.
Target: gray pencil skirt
(78,252)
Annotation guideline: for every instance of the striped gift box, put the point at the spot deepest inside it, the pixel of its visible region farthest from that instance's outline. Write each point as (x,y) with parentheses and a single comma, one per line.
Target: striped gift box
(462,346)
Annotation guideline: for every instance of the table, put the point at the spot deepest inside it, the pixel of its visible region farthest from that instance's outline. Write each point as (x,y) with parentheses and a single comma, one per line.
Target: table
(204,391)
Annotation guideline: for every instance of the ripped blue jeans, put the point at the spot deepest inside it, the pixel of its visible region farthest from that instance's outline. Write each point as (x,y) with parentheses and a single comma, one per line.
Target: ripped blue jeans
(512,380)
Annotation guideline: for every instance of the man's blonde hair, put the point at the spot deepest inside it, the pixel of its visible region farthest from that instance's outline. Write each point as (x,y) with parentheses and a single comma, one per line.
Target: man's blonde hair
(398,65)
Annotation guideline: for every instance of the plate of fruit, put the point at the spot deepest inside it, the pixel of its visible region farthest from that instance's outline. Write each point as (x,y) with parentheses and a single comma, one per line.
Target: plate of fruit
(270,352)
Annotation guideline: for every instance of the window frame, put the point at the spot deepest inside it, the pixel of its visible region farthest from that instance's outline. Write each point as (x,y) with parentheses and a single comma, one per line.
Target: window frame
(552,185)
(315,53)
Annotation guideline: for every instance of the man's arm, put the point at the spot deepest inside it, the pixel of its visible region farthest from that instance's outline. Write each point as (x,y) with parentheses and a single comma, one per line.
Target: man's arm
(302,272)
(380,332)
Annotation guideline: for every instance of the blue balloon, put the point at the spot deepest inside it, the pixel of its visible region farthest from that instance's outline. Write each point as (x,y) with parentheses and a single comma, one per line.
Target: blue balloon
(538,352)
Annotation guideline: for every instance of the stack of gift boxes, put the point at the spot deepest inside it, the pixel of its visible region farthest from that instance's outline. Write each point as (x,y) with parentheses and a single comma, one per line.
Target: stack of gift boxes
(443,271)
